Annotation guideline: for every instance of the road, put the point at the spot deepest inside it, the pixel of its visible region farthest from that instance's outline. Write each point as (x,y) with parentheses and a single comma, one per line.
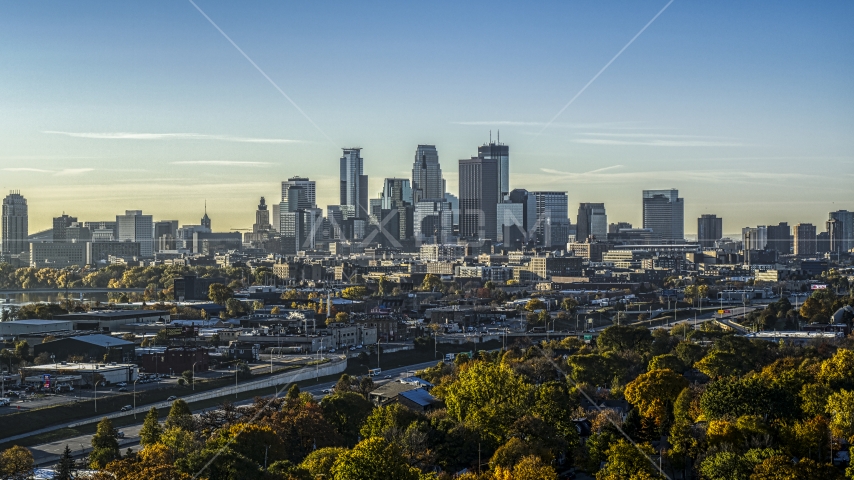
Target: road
(48,453)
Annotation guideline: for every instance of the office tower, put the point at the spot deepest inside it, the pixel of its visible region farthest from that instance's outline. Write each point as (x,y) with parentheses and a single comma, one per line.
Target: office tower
(262,218)
(354,185)
(396,191)
(76,232)
(805,239)
(274,218)
(375,209)
(552,219)
(15,225)
(60,224)
(397,207)
(835,235)
(754,238)
(133,226)
(478,198)
(165,233)
(455,208)
(516,219)
(306,198)
(427,182)
(780,238)
(501,154)
(664,213)
(433,221)
(105,231)
(300,230)
(591,223)
(710,229)
(847,228)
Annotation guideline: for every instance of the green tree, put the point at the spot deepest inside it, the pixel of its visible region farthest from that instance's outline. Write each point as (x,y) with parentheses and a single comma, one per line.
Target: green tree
(65,467)
(487,397)
(621,338)
(654,392)
(840,406)
(569,304)
(373,459)
(627,462)
(388,422)
(105,446)
(293,392)
(556,406)
(535,304)
(180,416)
(346,411)
(219,293)
(752,395)
(431,283)
(667,361)
(319,462)
(151,429)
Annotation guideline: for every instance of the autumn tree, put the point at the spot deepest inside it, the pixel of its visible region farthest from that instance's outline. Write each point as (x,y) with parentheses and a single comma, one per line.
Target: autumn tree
(16,463)
(654,392)
(219,293)
(105,446)
(373,459)
(151,429)
(628,462)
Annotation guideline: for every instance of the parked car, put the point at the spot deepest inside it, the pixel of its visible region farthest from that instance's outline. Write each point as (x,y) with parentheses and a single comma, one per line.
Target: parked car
(127,408)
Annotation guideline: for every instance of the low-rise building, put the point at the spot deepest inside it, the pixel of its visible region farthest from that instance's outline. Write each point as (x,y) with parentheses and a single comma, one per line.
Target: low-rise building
(89,347)
(176,360)
(113,320)
(80,373)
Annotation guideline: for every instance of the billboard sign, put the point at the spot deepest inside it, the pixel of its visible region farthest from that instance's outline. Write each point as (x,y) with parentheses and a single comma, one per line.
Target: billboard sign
(818,286)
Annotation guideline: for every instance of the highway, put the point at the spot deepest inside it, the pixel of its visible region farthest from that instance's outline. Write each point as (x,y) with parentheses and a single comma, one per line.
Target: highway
(48,453)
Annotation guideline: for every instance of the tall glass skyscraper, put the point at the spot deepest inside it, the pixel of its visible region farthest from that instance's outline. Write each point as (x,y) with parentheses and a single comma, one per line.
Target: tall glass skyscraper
(478,198)
(664,213)
(15,224)
(501,154)
(354,185)
(552,218)
(427,181)
(591,222)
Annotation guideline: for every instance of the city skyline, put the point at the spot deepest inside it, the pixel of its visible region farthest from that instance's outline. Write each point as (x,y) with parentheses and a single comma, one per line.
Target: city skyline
(731,108)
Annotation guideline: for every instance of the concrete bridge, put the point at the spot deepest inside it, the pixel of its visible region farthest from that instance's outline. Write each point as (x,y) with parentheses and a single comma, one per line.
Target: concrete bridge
(18,291)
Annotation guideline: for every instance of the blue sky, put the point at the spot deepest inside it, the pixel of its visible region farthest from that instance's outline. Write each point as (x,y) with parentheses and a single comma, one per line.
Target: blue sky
(745,107)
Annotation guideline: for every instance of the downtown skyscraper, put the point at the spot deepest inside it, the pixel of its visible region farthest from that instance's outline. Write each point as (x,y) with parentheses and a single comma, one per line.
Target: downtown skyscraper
(353,185)
(15,225)
(664,213)
(479,194)
(591,222)
(427,181)
(501,154)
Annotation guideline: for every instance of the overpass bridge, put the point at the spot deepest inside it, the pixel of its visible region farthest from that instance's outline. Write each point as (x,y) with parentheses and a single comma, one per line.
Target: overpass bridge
(84,290)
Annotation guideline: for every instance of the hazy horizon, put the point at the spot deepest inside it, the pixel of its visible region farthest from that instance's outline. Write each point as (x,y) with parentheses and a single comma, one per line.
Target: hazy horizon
(745,108)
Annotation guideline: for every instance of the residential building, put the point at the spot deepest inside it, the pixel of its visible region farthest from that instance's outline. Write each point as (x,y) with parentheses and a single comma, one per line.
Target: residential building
(664,213)
(479,193)
(846,228)
(15,225)
(779,238)
(544,268)
(710,229)
(805,239)
(591,223)
(427,181)
(133,226)
(754,238)
(353,185)
(441,252)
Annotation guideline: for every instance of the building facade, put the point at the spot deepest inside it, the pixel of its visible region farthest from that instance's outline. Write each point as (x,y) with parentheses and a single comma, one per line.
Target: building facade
(479,193)
(133,226)
(353,185)
(552,224)
(710,229)
(805,239)
(427,181)
(591,223)
(501,154)
(664,213)
(15,225)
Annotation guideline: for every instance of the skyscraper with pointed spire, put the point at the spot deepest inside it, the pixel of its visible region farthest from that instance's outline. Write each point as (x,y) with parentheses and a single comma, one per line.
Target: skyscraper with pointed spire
(206,220)
(427,181)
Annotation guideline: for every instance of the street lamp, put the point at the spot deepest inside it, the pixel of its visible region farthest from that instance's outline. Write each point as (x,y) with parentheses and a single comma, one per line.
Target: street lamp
(134,397)
(194,375)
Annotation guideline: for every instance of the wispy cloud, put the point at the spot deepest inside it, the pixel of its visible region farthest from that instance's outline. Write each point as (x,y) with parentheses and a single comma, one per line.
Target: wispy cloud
(167,136)
(655,140)
(577,174)
(56,173)
(73,171)
(223,163)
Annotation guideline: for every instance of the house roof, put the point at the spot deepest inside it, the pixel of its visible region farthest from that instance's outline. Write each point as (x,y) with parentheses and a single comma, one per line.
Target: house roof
(416,381)
(391,390)
(420,396)
(101,340)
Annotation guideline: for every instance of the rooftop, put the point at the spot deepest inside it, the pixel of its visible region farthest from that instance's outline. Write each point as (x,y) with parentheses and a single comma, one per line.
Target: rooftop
(101,340)
(420,397)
